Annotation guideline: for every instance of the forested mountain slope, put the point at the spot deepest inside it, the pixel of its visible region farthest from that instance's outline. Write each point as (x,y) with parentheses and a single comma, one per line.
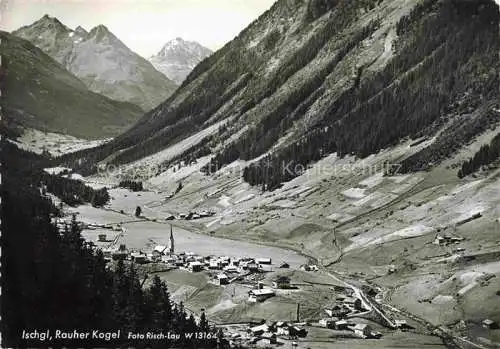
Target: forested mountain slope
(38,92)
(178,57)
(314,77)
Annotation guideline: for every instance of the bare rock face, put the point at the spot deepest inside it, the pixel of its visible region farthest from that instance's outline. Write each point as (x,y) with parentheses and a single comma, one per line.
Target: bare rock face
(178,57)
(101,61)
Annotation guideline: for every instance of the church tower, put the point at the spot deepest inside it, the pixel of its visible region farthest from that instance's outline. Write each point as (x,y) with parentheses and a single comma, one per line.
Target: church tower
(171,250)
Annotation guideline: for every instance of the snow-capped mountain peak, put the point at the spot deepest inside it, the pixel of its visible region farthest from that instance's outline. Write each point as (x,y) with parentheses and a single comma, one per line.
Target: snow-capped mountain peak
(178,57)
(103,62)
(81,31)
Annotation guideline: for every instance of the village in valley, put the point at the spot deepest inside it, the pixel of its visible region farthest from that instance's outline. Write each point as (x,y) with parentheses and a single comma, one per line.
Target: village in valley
(320,306)
(282,270)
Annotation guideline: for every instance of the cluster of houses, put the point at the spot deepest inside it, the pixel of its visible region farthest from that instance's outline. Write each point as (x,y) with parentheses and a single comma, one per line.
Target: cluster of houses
(359,329)
(268,333)
(223,269)
(261,293)
(445,240)
(193,215)
(347,306)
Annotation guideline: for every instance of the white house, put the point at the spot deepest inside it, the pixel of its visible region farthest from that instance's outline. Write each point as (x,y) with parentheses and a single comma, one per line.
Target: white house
(214,264)
(362,330)
(264,261)
(327,323)
(195,267)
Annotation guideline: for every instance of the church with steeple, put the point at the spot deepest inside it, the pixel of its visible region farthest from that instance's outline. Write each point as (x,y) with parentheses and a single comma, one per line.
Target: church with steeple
(171,249)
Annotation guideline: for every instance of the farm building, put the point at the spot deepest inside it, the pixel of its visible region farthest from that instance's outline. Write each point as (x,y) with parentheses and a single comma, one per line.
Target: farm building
(341,325)
(353,302)
(119,255)
(230,269)
(362,330)
(284,265)
(490,324)
(279,324)
(221,279)
(260,295)
(327,323)
(402,324)
(296,331)
(138,257)
(214,265)
(253,267)
(283,331)
(264,261)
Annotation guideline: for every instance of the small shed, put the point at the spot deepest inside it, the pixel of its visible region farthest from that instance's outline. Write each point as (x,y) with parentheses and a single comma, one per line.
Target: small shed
(101,237)
(490,324)
(138,258)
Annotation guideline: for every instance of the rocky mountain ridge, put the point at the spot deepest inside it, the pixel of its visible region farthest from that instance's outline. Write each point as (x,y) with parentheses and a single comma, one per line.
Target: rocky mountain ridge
(38,92)
(103,62)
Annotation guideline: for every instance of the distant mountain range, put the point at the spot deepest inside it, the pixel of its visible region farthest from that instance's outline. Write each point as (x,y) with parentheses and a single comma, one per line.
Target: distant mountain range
(41,94)
(101,61)
(178,57)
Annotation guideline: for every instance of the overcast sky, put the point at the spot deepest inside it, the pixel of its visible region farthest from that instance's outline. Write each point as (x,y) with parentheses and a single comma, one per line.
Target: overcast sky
(143,25)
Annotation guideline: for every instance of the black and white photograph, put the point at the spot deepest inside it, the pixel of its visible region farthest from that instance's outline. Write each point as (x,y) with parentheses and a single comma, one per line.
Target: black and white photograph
(242,174)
